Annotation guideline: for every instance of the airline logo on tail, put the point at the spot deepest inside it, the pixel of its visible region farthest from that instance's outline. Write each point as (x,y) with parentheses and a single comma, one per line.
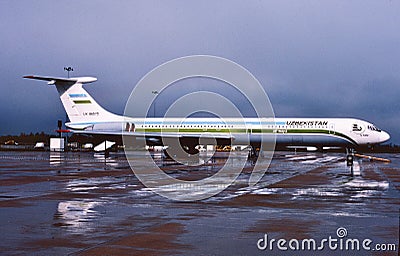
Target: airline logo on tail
(79,99)
(77,95)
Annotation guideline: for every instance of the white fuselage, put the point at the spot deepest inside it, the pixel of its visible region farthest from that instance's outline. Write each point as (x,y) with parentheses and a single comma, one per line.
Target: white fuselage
(290,131)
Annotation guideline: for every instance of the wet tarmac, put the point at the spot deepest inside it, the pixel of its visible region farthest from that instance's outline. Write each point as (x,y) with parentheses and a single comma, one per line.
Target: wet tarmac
(76,203)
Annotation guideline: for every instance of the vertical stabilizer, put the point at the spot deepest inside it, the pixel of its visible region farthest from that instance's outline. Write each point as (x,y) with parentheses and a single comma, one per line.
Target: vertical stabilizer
(78,104)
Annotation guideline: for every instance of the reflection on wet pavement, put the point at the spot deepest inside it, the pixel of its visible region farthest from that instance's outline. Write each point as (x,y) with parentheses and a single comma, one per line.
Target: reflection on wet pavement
(77,216)
(80,203)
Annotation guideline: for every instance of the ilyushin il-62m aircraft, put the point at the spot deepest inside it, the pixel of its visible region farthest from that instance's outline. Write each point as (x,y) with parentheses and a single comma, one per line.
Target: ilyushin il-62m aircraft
(88,117)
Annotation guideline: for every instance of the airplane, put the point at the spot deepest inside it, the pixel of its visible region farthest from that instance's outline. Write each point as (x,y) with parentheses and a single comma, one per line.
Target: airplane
(88,117)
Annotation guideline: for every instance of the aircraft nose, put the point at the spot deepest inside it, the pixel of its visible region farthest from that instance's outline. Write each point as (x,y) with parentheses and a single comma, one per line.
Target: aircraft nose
(384,136)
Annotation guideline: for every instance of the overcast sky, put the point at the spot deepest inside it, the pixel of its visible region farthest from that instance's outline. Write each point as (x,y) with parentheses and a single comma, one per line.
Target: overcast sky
(314,58)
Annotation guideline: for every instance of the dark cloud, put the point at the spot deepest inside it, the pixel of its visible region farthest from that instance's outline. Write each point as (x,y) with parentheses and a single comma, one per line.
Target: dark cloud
(313,58)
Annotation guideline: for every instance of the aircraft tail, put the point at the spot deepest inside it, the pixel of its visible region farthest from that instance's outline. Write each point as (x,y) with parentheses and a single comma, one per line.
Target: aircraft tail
(78,104)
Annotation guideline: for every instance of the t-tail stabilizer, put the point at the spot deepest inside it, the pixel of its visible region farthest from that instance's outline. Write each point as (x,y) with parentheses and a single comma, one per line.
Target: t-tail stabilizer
(78,104)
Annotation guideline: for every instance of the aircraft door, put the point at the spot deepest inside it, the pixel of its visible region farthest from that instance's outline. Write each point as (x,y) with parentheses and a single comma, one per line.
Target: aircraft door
(331,128)
(249,129)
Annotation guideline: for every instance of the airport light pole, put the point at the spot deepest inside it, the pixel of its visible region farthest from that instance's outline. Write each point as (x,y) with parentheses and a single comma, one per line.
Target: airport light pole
(68,69)
(154,107)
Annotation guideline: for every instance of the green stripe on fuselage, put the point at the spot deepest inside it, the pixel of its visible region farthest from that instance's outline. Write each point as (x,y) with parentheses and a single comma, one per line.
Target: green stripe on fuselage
(245,131)
(82,102)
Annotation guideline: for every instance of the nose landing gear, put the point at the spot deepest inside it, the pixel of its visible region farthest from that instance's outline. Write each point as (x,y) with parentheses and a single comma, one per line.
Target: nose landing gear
(350,160)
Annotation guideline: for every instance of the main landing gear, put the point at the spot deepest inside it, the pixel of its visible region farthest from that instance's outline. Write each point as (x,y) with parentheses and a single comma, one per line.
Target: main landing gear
(254,151)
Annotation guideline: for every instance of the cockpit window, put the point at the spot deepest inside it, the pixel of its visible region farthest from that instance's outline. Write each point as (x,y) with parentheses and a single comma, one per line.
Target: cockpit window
(374,128)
